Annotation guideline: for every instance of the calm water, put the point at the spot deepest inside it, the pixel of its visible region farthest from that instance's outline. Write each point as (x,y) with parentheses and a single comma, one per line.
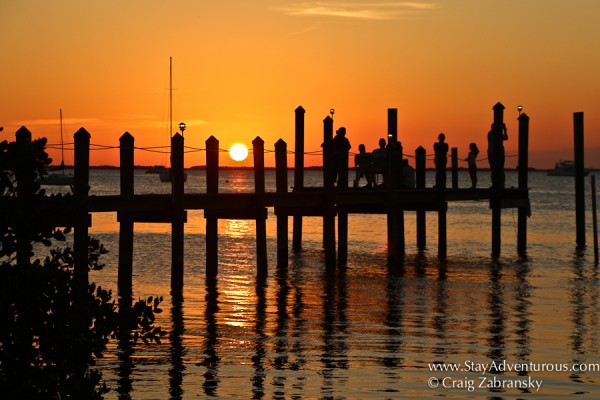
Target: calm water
(364,333)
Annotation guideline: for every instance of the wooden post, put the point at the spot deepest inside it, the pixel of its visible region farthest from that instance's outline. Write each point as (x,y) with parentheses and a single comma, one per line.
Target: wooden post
(497,179)
(126,170)
(343,214)
(595,219)
(281,183)
(454,151)
(395,216)
(177,232)
(298,174)
(523,182)
(258,149)
(80,194)
(24,176)
(442,210)
(420,158)
(212,187)
(579,179)
(329,177)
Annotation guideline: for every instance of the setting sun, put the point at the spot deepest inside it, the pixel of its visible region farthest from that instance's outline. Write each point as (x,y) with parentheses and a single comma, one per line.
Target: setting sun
(238,152)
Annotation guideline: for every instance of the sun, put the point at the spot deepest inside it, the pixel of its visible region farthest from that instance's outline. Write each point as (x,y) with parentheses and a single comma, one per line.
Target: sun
(238,152)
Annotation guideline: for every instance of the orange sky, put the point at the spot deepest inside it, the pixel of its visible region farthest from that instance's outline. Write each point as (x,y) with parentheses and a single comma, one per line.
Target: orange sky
(242,67)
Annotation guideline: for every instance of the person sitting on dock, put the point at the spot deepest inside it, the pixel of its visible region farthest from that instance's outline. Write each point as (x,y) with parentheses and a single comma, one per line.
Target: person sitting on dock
(408,175)
(379,160)
(341,146)
(362,162)
(440,149)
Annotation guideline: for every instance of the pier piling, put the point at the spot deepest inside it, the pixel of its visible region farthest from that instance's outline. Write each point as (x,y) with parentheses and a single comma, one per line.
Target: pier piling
(523,167)
(281,186)
(212,188)
(579,179)
(298,173)
(125,221)
(177,224)
(258,149)
(420,158)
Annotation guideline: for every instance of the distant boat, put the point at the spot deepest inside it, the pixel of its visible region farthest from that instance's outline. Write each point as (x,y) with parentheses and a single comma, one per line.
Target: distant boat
(166,175)
(565,168)
(155,169)
(59,178)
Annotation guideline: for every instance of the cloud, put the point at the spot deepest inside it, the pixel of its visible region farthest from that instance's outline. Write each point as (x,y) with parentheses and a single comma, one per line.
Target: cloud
(360,10)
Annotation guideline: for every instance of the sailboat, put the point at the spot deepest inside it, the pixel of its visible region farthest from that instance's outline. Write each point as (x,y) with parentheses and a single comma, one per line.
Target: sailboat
(59,178)
(165,174)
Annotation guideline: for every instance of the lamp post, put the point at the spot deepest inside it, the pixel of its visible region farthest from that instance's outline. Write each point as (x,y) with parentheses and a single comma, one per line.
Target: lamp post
(520,109)
(182,127)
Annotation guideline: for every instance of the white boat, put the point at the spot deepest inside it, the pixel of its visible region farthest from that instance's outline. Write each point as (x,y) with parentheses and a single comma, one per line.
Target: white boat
(58,178)
(565,168)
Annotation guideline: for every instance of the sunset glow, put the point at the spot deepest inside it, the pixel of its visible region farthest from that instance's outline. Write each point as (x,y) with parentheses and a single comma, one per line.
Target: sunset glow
(240,69)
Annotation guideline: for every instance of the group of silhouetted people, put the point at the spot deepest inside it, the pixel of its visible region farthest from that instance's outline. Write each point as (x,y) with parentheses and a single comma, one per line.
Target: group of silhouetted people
(496,137)
(370,165)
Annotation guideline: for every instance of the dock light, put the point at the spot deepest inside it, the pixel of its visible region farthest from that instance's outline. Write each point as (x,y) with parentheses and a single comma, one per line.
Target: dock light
(182,127)
(520,109)
(331,111)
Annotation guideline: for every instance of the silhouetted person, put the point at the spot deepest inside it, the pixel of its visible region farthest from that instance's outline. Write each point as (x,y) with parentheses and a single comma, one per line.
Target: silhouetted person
(341,146)
(408,175)
(379,160)
(362,162)
(472,162)
(496,138)
(440,148)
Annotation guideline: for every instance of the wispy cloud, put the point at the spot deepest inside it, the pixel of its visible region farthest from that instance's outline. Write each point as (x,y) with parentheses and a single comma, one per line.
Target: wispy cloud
(360,10)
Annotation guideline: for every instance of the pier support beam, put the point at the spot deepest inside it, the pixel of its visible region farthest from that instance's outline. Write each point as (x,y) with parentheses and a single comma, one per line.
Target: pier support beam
(395,218)
(212,187)
(258,149)
(298,174)
(81,190)
(177,231)
(498,179)
(329,178)
(125,221)
(523,212)
(281,185)
(579,178)
(454,152)
(420,158)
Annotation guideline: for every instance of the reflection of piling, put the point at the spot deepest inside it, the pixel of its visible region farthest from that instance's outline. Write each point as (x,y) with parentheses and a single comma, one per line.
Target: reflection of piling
(329,178)
(579,179)
(281,183)
(298,173)
(258,149)
(177,245)
(523,212)
(420,158)
(125,221)
(212,188)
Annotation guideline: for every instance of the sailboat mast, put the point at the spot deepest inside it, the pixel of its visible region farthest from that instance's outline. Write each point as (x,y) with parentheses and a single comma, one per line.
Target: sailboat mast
(62,143)
(171,96)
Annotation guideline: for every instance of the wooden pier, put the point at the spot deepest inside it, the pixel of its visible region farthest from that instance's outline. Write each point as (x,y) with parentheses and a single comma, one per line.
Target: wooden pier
(329,202)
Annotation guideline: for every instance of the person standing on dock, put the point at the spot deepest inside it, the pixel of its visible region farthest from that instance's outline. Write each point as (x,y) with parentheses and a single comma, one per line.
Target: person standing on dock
(440,149)
(496,137)
(379,159)
(472,162)
(362,162)
(341,147)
